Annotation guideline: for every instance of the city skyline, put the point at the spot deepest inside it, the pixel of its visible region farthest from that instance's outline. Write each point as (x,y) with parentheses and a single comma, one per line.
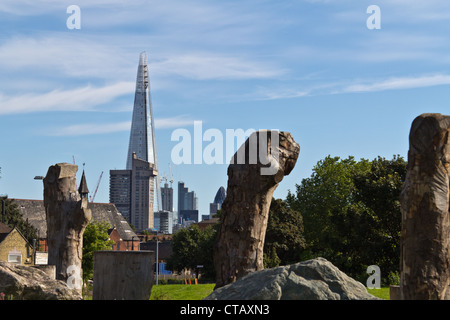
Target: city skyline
(312,67)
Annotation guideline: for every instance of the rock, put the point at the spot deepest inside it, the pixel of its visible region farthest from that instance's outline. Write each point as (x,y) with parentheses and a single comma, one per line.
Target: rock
(29,283)
(425,234)
(255,171)
(67,216)
(316,279)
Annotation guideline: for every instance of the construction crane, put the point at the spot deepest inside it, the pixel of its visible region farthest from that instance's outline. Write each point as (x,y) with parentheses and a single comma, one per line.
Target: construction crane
(91,198)
(170,174)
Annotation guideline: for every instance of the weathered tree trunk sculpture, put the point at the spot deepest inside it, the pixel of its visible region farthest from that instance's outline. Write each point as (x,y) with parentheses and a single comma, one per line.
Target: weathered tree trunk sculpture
(425,237)
(253,175)
(67,218)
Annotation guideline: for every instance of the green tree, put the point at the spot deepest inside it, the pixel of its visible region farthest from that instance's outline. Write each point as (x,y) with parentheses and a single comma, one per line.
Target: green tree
(191,247)
(329,191)
(13,218)
(95,238)
(351,212)
(284,242)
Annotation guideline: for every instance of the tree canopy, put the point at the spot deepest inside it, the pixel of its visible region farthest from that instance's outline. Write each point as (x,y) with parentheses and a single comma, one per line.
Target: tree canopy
(284,242)
(347,211)
(191,247)
(95,238)
(351,212)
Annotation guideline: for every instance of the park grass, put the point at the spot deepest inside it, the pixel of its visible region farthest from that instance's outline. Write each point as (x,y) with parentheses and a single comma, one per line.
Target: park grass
(382,293)
(181,291)
(200,291)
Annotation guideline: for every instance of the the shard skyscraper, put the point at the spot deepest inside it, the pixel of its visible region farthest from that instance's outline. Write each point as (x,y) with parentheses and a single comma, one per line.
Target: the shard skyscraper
(142,135)
(135,190)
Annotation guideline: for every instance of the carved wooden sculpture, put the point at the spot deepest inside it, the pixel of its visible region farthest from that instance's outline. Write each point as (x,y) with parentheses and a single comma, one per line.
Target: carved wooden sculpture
(67,217)
(425,238)
(253,175)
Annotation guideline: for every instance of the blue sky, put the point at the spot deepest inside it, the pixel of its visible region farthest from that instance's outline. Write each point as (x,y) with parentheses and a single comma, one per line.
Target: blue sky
(309,67)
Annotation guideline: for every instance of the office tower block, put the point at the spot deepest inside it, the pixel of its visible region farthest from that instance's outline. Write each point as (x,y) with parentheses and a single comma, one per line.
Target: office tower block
(164,221)
(132,191)
(143,176)
(120,191)
(187,201)
(182,190)
(218,200)
(167,198)
(189,215)
(190,201)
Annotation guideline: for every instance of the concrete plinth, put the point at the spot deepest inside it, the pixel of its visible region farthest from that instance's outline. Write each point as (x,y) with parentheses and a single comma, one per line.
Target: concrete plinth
(123,275)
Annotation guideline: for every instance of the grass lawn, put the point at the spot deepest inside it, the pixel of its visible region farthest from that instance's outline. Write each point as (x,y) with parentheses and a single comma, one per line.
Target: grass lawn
(382,293)
(200,291)
(181,291)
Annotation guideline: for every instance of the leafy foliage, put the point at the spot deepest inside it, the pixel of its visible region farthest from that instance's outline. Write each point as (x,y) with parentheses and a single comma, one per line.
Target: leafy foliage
(192,247)
(95,238)
(13,218)
(351,213)
(284,242)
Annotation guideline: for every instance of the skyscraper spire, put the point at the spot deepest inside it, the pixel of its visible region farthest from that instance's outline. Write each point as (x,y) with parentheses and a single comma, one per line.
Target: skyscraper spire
(142,134)
(141,131)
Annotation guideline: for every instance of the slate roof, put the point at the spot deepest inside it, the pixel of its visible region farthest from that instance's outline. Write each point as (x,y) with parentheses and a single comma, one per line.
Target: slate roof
(35,212)
(4,231)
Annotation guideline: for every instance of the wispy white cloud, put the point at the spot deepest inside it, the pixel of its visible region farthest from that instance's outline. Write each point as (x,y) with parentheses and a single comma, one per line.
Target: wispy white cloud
(399,83)
(88,129)
(173,122)
(350,86)
(79,99)
(207,66)
(60,54)
(105,128)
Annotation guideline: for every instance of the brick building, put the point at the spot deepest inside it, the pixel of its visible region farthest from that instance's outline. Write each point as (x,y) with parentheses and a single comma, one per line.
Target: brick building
(14,247)
(121,232)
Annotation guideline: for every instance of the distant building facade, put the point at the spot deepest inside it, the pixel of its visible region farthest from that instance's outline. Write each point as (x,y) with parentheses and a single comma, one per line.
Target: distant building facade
(14,247)
(187,204)
(120,191)
(218,201)
(167,198)
(133,192)
(189,215)
(164,221)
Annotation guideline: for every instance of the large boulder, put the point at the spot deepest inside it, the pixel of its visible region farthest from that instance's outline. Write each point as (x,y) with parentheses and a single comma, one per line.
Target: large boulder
(316,279)
(29,283)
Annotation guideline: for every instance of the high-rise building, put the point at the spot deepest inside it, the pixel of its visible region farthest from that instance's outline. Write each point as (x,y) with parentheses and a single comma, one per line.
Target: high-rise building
(143,176)
(120,191)
(218,201)
(135,190)
(132,191)
(187,203)
(182,190)
(167,198)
